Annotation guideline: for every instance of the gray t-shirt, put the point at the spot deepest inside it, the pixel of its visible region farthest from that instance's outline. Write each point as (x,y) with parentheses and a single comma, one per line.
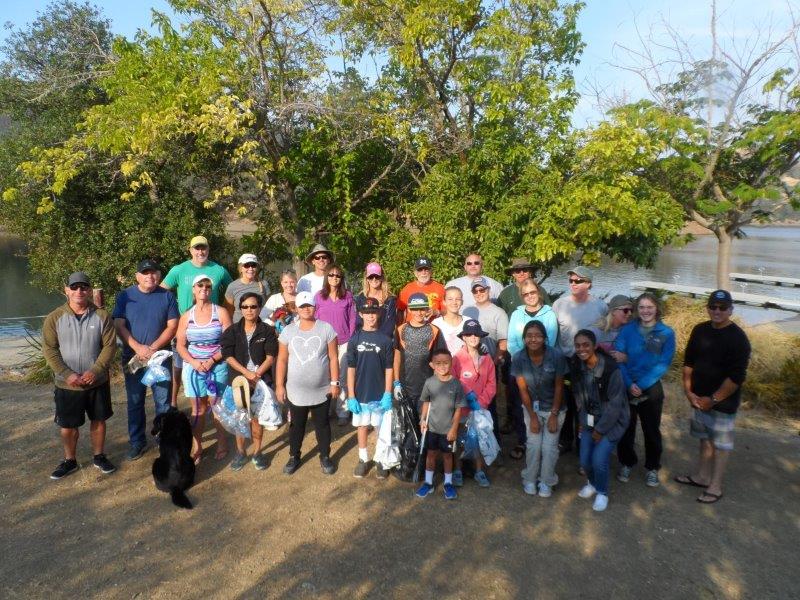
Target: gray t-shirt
(445,398)
(308,375)
(573,316)
(541,379)
(238,288)
(493,320)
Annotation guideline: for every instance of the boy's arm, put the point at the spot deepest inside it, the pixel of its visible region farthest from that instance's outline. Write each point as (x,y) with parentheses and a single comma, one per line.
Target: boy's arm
(460,403)
(351,382)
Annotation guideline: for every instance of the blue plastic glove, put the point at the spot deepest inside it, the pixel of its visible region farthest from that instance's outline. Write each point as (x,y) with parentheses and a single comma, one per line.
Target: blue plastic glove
(386,401)
(472,399)
(398,390)
(354,406)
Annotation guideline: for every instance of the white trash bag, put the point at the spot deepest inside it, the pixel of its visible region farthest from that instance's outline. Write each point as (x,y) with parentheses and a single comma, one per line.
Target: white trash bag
(387,451)
(264,406)
(480,428)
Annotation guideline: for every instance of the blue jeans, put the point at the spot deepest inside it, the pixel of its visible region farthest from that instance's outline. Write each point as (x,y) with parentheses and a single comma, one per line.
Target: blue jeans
(595,457)
(136,391)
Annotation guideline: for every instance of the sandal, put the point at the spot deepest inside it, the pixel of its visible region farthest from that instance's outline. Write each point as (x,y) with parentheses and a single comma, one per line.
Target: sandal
(220,453)
(688,480)
(517,452)
(709,498)
(197,457)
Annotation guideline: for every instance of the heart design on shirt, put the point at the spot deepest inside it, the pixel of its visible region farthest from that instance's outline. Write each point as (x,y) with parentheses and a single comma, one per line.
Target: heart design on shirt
(306,349)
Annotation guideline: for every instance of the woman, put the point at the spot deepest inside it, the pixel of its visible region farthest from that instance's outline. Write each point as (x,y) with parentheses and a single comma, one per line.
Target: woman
(451,322)
(374,285)
(539,370)
(249,348)
(646,347)
(285,298)
(249,281)
(532,309)
(307,378)
(205,373)
(620,309)
(335,306)
(602,412)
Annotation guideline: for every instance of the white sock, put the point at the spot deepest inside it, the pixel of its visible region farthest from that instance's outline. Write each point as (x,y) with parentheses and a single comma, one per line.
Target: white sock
(448,478)
(362,454)
(429,477)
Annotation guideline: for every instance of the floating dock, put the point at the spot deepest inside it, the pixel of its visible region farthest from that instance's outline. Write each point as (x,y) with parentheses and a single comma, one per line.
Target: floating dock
(766,279)
(738,297)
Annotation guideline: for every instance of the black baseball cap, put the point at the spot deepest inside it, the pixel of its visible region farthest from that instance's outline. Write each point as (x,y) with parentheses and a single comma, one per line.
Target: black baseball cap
(370,305)
(720,297)
(147,265)
(423,263)
(79,277)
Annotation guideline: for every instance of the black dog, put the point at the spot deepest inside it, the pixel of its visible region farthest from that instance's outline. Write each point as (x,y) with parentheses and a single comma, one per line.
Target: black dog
(173,471)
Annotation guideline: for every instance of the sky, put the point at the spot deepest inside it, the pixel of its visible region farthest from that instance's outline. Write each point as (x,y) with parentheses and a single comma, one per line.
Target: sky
(606,26)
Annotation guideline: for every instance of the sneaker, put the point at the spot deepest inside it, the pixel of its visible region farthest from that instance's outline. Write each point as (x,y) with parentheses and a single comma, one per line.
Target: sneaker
(529,488)
(587,491)
(362,468)
(327,465)
(600,503)
(64,468)
(102,463)
(259,462)
(482,479)
(458,478)
(426,489)
(651,480)
(291,466)
(380,472)
(544,490)
(238,462)
(450,491)
(624,474)
(135,452)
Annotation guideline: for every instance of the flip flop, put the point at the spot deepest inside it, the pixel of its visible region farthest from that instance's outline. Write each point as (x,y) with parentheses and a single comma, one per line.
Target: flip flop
(687,480)
(714,498)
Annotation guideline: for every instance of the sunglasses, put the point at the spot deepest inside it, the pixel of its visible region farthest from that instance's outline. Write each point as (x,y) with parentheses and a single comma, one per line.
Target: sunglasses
(371,277)
(79,286)
(475,263)
(250,265)
(248,306)
(577,281)
(204,286)
(335,275)
(200,247)
(520,270)
(718,307)
(320,257)
(531,293)
(478,290)
(625,310)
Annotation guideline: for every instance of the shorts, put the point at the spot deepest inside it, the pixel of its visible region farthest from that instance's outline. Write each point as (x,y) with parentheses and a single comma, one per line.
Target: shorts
(715,426)
(367,417)
(437,441)
(195,385)
(72,406)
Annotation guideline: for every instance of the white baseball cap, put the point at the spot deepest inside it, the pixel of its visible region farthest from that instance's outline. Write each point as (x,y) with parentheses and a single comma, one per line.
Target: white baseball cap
(303,299)
(202,277)
(248,258)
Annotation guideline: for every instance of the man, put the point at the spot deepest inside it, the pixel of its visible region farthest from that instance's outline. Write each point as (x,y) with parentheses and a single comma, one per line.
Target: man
(423,284)
(78,343)
(319,258)
(473,267)
(510,298)
(146,318)
(179,280)
(714,369)
(575,311)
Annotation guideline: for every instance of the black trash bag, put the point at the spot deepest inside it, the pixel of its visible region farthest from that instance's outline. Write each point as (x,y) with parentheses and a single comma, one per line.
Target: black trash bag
(408,437)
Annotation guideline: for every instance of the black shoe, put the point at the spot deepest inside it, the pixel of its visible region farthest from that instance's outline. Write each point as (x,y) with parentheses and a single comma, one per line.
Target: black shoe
(327,465)
(291,466)
(362,468)
(66,467)
(380,472)
(564,448)
(102,463)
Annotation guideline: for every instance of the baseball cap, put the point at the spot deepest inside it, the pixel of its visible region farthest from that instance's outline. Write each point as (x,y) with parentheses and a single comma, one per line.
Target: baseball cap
(374,268)
(79,277)
(418,300)
(423,263)
(147,265)
(479,282)
(202,277)
(304,299)
(370,305)
(618,301)
(720,297)
(581,271)
(472,327)
(248,258)
(198,240)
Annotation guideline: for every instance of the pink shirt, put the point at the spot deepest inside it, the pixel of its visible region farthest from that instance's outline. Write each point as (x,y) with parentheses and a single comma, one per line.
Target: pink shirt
(482,381)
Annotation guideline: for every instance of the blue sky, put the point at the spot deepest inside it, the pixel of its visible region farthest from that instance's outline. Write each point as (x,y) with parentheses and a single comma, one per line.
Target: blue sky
(605,25)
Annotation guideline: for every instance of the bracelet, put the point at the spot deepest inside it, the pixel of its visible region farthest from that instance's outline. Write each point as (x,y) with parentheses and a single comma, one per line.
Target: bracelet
(336,383)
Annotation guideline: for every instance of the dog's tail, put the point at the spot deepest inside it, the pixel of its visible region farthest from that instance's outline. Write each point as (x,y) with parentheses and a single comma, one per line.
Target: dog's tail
(180,499)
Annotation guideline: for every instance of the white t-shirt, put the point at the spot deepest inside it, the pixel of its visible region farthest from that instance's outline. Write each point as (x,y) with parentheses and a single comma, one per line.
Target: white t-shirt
(310,282)
(465,285)
(450,333)
(574,316)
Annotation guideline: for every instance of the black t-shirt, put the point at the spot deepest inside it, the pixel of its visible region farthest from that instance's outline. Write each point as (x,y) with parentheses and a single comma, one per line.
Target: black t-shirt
(370,353)
(715,355)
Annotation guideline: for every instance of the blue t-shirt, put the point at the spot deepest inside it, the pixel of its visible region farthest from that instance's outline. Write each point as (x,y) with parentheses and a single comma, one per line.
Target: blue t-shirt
(541,379)
(145,315)
(370,353)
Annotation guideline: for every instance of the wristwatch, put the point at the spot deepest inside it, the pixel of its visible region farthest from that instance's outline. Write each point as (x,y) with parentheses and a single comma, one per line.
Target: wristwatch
(336,383)
(714,399)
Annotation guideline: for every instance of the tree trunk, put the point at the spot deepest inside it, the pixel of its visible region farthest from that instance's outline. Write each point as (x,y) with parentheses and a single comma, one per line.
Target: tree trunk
(724,240)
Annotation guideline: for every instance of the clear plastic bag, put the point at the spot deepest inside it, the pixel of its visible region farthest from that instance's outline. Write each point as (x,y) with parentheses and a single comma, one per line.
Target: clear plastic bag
(235,420)
(387,448)
(155,374)
(264,405)
(480,437)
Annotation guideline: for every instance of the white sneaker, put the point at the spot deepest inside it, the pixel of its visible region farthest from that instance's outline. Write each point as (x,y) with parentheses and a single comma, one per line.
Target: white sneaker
(529,488)
(587,491)
(600,503)
(544,490)
(651,480)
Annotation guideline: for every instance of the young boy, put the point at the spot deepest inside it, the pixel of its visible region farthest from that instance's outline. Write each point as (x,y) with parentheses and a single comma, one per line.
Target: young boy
(442,398)
(370,356)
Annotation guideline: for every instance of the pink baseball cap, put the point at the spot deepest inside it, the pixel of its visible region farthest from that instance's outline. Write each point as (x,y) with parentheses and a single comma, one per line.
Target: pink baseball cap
(374,268)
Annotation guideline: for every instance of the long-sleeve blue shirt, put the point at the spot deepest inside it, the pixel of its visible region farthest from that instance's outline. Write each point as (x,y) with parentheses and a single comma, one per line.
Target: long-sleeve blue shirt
(649,356)
(519,318)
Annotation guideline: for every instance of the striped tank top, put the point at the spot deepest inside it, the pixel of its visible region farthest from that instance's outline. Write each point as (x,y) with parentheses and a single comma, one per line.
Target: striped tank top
(203,340)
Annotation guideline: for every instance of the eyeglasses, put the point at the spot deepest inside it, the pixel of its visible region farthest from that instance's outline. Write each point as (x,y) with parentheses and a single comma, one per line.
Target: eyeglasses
(335,275)
(200,247)
(248,306)
(320,257)
(471,263)
(577,281)
(478,290)
(79,286)
(531,293)
(250,265)
(719,307)
(204,286)
(371,277)
(520,270)
(626,310)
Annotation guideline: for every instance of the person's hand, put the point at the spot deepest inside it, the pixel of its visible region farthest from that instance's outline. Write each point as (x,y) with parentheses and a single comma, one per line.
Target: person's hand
(354,406)
(386,401)
(74,380)
(472,401)
(423,426)
(704,403)
(552,423)
(142,352)
(88,378)
(199,365)
(534,418)
(452,434)
(693,398)
(618,356)
(397,390)
(635,390)
(596,435)
(280,394)
(252,377)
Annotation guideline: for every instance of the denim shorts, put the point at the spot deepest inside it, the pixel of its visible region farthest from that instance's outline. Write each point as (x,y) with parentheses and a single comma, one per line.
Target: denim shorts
(713,425)
(437,441)
(199,385)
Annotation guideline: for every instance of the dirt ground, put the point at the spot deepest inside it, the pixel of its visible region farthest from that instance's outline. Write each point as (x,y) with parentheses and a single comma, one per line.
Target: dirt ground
(263,534)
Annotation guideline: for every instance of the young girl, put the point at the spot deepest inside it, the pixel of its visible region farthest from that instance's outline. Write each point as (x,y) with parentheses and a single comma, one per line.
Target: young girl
(451,322)
(476,373)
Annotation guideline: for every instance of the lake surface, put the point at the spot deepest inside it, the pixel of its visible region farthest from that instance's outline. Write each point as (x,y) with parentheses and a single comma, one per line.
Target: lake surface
(767,250)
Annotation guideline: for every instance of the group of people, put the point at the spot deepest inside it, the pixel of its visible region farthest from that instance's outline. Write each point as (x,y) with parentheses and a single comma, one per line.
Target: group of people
(577,372)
